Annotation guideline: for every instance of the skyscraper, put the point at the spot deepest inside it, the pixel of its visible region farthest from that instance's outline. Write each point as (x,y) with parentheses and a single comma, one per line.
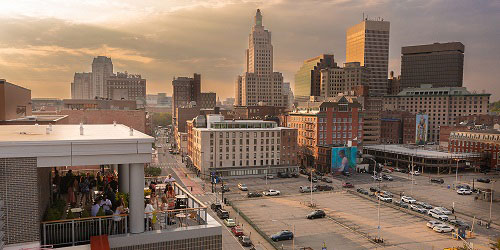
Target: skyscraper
(259,83)
(185,90)
(308,78)
(81,87)
(368,43)
(102,67)
(439,64)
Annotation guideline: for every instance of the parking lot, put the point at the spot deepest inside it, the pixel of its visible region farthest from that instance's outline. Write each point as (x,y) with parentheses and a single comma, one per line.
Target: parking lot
(352,219)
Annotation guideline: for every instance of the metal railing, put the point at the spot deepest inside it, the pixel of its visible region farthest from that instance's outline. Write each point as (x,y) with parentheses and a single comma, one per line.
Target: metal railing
(73,232)
(78,231)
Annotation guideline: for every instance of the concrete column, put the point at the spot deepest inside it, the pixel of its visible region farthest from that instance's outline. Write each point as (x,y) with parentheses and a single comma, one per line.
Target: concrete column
(136,198)
(123,178)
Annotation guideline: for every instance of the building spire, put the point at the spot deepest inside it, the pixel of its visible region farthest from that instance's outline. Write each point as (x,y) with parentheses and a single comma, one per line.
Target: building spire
(258,18)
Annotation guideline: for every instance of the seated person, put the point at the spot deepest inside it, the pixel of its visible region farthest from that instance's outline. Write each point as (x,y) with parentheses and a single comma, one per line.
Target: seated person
(95,208)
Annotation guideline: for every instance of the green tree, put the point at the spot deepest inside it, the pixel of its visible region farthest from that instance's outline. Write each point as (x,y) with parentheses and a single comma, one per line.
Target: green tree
(162,119)
(495,107)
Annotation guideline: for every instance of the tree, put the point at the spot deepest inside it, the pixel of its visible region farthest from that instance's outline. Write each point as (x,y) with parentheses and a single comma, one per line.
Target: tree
(162,119)
(495,107)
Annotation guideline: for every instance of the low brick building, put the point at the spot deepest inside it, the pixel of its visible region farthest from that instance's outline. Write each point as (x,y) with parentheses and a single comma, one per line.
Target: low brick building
(486,142)
(257,112)
(135,119)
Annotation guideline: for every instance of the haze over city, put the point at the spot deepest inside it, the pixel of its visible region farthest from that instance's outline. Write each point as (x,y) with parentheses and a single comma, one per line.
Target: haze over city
(43,44)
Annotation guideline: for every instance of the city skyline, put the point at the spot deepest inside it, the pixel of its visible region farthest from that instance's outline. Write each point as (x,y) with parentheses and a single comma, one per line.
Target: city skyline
(46,61)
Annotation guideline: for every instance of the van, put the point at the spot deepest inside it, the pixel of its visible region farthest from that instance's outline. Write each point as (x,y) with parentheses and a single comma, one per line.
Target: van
(223,214)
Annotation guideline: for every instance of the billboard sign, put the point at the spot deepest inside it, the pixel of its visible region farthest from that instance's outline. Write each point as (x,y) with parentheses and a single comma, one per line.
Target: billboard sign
(344,159)
(422,127)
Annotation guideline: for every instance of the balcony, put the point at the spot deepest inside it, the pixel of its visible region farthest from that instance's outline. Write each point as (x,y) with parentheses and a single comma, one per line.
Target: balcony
(71,232)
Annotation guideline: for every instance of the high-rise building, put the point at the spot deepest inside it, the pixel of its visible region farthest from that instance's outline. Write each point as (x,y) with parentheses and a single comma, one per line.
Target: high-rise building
(288,93)
(368,43)
(394,84)
(124,86)
(439,64)
(443,105)
(102,67)
(185,90)
(308,78)
(335,80)
(81,87)
(259,83)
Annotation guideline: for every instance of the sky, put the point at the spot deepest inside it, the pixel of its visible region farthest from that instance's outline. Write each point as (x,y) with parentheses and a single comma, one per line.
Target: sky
(43,43)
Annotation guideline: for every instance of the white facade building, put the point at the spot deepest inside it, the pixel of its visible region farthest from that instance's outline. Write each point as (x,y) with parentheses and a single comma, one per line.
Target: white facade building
(259,83)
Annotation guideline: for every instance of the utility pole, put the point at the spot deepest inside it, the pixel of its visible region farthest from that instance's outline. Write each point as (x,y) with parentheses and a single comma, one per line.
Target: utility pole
(491,199)
(456,174)
(311,187)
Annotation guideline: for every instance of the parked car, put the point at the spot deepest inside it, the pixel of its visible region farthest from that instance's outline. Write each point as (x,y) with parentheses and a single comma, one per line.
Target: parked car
(483,180)
(418,208)
(463,186)
(284,175)
(401,204)
(229,222)
(216,207)
(269,176)
(387,193)
(237,231)
(295,175)
(252,195)
(443,210)
(225,188)
(374,189)
(424,205)
(347,185)
(362,191)
(376,178)
(438,215)
(431,224)
(282,235)
(271,192)
(459,223)
(438,181)
(443,228)
(326,179)
(323,187)
(245,241)
(397,170)
(387,177)
(408,199)
(464,191)
(242,187)
(316,214)
(223,214)
(314,179)
(306,189)
(346,173)
(416,173)
(384,198)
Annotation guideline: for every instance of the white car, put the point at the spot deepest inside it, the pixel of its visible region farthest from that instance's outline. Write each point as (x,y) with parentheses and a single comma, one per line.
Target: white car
(464,191)
(242,187)
(416,173)
(270,176)
(438,215)
(443,228)
(418,208)
(271,192)
(431,224)
(443,210)
(385,198)
(376,178)
(408,199)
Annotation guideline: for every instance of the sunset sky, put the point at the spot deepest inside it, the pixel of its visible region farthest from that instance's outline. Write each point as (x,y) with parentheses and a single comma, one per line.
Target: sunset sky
(42,43)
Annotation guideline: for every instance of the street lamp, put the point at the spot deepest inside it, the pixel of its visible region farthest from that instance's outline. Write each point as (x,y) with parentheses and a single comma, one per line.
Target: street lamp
(491,200)
(456,172)
(312,170)
(370,157)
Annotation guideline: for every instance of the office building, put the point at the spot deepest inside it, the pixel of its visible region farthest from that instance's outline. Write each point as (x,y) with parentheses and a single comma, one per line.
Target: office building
(15,101)
(288,94)
(81,87)
(207,100)
(240,147)
(102,68)
(368,44)
(124,86)
(308,77)
(443,105)
(335,80)
(260,83)
(394,84)
(335,121)
(438,64)
(185,91)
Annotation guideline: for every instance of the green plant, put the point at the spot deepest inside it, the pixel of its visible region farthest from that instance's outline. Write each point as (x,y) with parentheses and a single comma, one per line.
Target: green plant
(152,171)
(85,214)
(100,212)
(52,214)
(124,196)
(70,215)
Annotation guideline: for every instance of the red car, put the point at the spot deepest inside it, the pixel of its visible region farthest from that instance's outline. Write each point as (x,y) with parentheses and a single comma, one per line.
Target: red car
(237,231)
(347,185)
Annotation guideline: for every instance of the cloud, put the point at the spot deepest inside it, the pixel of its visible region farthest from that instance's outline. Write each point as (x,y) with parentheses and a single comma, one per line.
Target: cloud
(42,49)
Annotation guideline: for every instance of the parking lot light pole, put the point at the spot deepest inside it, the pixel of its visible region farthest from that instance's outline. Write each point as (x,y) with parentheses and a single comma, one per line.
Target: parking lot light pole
(456,174)
(312,186)
(491,198)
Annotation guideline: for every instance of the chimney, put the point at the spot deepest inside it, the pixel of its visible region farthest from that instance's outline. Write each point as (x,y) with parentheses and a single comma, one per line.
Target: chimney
(131,131)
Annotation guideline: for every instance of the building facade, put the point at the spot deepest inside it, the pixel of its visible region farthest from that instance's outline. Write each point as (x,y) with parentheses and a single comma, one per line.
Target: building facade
(260,84)
(207,100)
(397,127)
(102,68)
(368,44)
(256,112)
(443,105)
(308,78)
(81,87)
(124,86)
(241,147)
(438,64)
(15,101)
(486,142)
(337,80)
(337,121)
(394,84)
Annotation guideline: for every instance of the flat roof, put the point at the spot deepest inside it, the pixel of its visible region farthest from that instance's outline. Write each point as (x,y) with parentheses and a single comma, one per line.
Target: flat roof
(91,132)
(422,152)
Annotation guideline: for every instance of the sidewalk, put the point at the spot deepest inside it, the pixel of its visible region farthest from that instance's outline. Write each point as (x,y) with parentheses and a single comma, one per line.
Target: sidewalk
(193,183)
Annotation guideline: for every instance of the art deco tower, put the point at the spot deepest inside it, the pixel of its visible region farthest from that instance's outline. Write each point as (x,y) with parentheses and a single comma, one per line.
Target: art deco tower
(260,83)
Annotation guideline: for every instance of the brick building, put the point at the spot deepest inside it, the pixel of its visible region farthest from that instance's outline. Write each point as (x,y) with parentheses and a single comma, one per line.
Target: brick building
(486,142)
(319,124)
(135,119)
(256,112)
(444,134)
(397,127)
(125,86)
